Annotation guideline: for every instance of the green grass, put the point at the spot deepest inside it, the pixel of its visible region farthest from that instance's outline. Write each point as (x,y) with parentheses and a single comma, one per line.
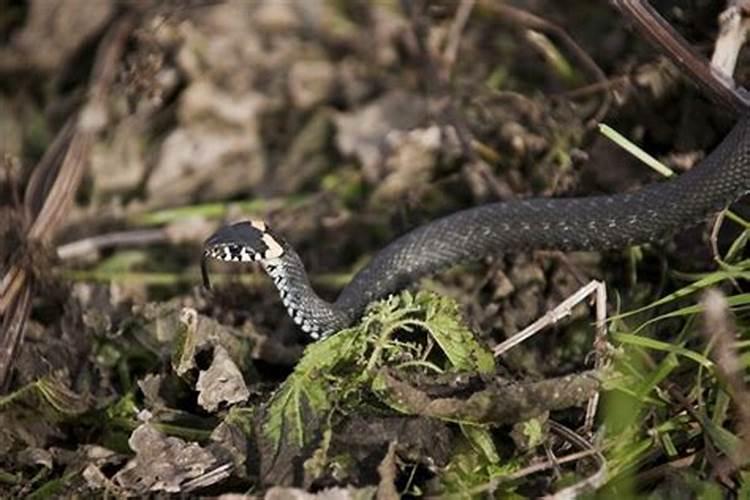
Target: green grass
(670,418)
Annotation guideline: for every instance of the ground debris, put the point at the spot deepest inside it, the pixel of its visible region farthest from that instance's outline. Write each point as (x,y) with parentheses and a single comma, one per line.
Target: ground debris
(416,439)
(363,133)
(222,383)
(350,493)
(216,156)
(166,463)
(52,33)
(499,402)
(197,333)
(342,125)
(411,160)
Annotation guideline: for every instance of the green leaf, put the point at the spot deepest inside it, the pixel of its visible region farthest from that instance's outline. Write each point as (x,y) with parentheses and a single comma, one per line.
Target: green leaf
(443,322)
(297,408)
(340,369)
(295,411)
(533,430)
(481,440)
(469,469)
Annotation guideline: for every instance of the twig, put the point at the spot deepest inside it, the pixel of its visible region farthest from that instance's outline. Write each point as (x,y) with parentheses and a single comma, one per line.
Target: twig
(213,476)
(548,464)
(497,402)
(714,238)
(551,317)
(600,351)
(591,483)
(92,244)
(454,36)
(387,471)
(492,485)
(561,311)
(662,36)
(733,28)
(13,328)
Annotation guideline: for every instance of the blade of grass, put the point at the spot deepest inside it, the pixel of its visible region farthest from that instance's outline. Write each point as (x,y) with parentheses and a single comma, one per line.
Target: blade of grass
(657,345)
(634,150)
(705,282)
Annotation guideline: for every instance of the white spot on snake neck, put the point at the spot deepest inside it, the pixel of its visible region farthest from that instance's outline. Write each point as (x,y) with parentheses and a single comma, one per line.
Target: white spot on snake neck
(274,250)
(258,224)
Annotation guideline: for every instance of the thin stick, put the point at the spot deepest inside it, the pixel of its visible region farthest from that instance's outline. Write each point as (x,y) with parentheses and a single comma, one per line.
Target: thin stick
(600,352)
(733,28)
(138,237)
(562,310)
(661,35)
(551,317)
(454,36)
(591,483)
(625,143)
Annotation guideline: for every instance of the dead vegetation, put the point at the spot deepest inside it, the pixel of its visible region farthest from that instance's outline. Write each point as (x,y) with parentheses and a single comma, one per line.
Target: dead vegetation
(131,130)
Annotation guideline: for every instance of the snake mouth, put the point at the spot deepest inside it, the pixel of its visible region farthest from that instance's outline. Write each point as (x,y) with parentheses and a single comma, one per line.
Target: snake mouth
(226,252)
(231,252)
(245,241)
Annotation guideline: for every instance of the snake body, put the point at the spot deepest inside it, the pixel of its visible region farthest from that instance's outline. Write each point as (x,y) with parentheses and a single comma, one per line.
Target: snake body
(596,222)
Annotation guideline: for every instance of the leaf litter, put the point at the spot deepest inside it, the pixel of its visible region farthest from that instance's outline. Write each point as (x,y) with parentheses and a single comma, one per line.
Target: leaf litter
(323,118)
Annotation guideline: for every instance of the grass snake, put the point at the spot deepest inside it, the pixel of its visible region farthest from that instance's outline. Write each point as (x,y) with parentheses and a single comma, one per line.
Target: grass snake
(596,222)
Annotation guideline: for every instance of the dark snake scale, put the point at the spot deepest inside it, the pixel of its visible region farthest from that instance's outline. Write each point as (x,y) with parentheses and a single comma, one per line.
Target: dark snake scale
(596,222)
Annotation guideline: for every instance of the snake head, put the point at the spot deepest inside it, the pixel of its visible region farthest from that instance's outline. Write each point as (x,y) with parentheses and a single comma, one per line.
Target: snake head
(246,241)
